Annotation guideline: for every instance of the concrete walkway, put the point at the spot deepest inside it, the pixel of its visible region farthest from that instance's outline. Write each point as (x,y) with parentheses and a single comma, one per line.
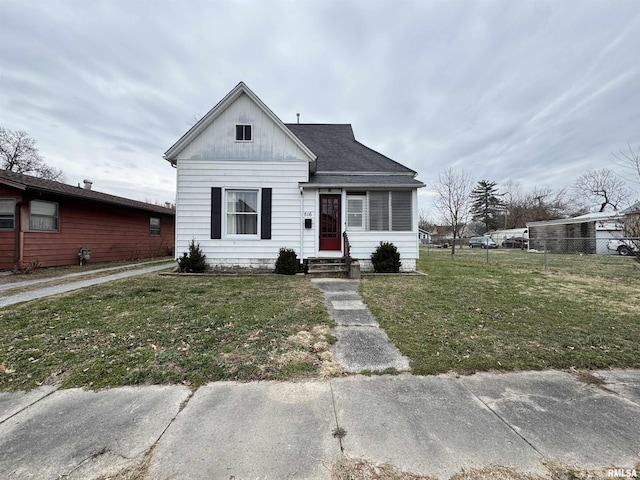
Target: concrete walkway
(68,287)
(29,283)
(362,344)
(434,425)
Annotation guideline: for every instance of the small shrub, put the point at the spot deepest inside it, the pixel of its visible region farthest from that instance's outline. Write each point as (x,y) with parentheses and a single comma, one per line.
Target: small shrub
(386,258)
(26,268)
(194,261)
(287,262)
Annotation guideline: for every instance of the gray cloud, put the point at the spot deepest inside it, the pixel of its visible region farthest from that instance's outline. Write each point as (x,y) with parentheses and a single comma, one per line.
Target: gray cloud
(535,91)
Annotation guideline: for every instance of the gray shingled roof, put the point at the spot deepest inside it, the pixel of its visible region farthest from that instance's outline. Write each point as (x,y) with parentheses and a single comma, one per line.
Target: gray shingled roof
(29,183)
(339,151)
(388,181)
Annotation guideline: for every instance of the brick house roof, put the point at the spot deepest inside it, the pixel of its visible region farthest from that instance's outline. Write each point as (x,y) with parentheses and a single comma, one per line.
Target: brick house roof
(35,184)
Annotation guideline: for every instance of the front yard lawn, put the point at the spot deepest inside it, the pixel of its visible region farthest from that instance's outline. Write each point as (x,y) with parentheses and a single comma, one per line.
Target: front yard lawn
(158,329)
(466,316)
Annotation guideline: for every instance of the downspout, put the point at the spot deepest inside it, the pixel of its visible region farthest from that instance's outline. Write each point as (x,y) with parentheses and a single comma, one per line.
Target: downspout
(18,245)
(301,223)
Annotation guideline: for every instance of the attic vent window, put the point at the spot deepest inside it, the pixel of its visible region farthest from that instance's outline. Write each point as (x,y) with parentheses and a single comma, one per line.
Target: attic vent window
(243,133)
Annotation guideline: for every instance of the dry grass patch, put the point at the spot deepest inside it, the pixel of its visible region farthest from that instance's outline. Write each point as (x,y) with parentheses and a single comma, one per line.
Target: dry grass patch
(155,329)
(350,468)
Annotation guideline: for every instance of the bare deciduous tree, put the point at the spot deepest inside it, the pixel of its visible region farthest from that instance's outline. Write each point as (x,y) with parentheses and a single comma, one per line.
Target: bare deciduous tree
(453,201)
(424,221)
(630,162)
(18,153)
(603,188)
(542,203)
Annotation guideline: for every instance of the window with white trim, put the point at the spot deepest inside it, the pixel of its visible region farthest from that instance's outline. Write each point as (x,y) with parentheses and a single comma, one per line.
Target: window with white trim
(244,133)
(242,212)
(43,216)
(356,208)
(7,213)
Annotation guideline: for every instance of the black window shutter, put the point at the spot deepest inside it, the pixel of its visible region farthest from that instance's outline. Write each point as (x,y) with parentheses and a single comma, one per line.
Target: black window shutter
(216,212)
(265,217)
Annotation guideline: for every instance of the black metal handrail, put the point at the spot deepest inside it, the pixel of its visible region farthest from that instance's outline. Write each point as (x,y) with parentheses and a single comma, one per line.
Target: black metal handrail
(347,251)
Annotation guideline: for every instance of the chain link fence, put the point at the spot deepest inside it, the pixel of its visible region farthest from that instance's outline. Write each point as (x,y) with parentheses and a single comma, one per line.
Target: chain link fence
(581,255)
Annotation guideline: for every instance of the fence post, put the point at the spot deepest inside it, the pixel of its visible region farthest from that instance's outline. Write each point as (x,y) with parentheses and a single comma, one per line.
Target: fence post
(544,243)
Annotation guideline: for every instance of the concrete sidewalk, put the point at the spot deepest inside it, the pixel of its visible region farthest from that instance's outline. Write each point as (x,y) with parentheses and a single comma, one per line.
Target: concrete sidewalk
(278,430)
(362,345)
(130,271)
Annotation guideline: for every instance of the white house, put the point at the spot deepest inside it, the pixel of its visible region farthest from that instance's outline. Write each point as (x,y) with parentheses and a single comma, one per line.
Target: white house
(248,184)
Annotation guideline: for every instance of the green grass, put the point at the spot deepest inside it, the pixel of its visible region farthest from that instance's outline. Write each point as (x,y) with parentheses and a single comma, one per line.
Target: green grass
(156,329)
(466,316)
(605,266)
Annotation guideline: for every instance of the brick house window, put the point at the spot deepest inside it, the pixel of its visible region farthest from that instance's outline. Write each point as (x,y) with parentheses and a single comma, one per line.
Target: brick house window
(154,226)
(7,213)
(43,216)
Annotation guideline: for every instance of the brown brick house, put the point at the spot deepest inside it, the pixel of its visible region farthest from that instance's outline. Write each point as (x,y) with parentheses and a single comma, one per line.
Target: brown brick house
(48,222)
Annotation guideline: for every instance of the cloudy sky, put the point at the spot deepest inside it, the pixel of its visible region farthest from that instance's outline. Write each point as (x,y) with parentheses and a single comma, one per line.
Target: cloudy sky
(535,91)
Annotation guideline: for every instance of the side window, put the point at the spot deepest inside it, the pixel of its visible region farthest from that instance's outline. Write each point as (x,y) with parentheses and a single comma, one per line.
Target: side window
(154,226)
(43,216)
(7,213)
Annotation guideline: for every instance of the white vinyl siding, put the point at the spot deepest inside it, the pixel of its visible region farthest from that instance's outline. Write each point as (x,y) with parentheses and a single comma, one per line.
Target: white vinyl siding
(7,213)
(43,216)
(193,210)
(268,142)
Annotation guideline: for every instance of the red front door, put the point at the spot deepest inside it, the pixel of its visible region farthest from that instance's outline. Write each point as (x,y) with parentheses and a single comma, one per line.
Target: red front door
(330,234)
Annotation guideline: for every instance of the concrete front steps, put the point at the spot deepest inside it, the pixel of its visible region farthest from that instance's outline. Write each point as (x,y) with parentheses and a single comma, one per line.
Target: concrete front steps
(327,267)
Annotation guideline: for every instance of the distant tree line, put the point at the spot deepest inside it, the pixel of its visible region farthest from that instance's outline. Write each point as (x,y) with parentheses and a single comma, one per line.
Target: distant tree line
(469,209)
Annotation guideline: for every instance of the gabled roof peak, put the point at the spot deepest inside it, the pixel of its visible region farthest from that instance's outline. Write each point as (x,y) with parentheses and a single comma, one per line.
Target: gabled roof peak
(241,88)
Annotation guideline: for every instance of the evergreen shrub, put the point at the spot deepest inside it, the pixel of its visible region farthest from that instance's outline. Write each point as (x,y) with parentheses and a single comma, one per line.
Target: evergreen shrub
(287,262)
(386,258)
(194,260)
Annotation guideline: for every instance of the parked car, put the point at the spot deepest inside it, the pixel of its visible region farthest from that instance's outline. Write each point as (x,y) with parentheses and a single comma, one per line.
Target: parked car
(482,242)
(623,247)
(516,242)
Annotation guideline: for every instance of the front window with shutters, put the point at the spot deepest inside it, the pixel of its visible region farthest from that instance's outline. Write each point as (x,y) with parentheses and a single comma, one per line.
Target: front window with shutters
(43,216)
(242,212)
